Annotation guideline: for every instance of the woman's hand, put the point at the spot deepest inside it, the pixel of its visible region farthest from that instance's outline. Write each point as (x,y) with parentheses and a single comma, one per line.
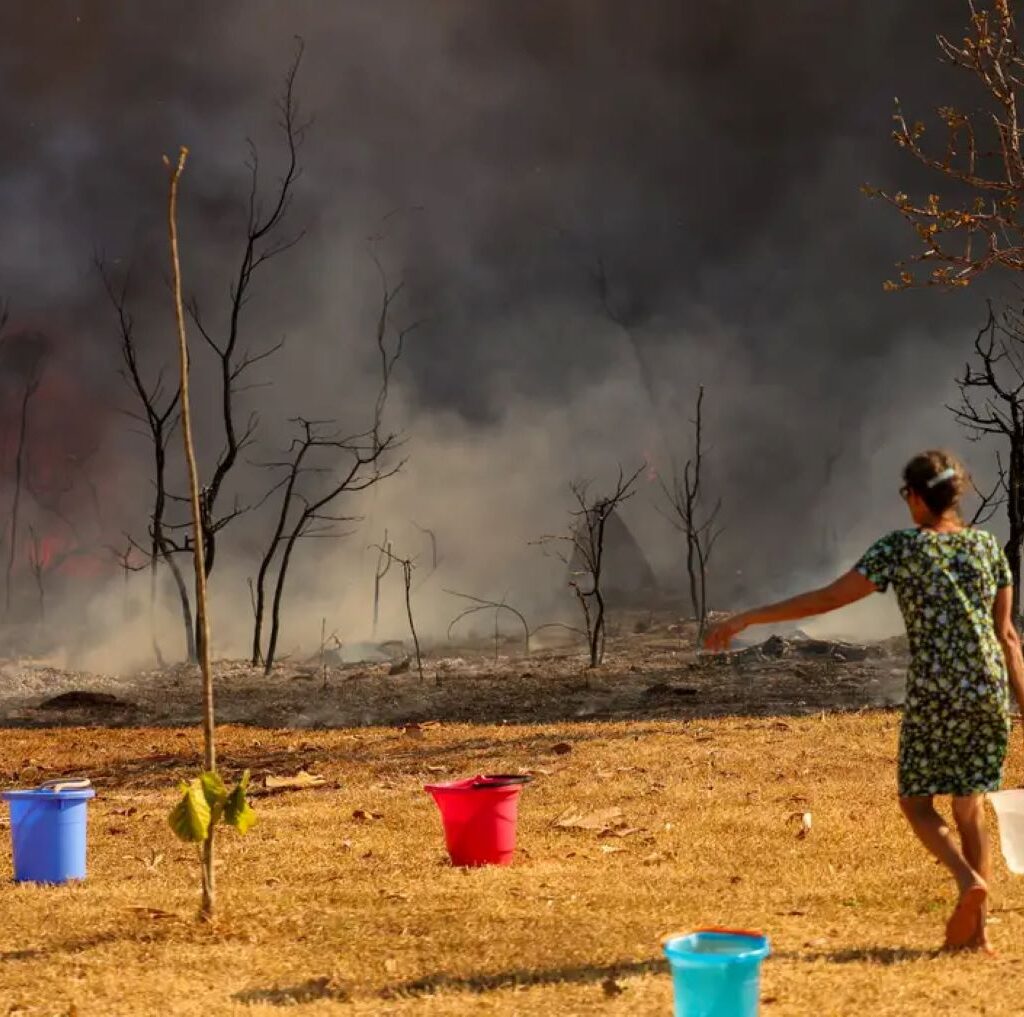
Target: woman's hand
(721,635)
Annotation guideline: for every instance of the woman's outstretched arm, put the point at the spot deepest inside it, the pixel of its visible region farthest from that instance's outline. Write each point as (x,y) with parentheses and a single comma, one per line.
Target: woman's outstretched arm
(845,590)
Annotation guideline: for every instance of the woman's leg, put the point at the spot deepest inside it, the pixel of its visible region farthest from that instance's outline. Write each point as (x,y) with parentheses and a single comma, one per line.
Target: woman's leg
(966,926)
(933,832)
(969,815)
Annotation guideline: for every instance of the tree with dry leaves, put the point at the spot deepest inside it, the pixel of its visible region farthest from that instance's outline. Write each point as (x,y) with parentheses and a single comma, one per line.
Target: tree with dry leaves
(976,223)
(972,222)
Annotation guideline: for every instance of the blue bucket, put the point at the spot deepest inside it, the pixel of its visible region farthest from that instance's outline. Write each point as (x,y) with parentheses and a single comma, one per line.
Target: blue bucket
(717,972)
(48,831)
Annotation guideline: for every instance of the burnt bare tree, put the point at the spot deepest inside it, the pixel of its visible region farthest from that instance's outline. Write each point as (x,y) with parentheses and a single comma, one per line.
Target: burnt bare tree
(992,404)
(125,558)
(158,416)
(314,481)
(990,503)
(407,565)
(689,514)
(582,550)
(37,565)
(265,240)
(380,570)
(977,224)
(300,448)
(27,367)
(309,514)
(4,317)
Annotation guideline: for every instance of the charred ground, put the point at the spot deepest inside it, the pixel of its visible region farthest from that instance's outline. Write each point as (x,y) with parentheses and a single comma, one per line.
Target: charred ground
(652,670)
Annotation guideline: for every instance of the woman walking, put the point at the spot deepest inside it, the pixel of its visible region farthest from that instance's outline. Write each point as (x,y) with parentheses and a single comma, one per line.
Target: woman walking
(954,591)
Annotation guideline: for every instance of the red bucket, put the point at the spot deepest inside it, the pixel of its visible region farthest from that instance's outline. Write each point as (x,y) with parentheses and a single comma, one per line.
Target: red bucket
(479,816)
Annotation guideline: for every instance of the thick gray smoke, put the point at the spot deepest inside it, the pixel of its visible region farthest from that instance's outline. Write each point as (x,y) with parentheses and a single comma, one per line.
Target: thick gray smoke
(708,156)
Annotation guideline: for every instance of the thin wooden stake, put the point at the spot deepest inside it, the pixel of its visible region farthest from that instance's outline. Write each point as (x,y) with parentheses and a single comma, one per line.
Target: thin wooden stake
(198,547)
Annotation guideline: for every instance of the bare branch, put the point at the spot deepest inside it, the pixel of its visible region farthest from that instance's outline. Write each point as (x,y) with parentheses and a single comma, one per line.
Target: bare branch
(685,498)
(482,604)
(587,542)
(407,566)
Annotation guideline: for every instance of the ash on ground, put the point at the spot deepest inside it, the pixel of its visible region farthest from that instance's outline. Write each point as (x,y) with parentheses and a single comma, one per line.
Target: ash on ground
(652,669)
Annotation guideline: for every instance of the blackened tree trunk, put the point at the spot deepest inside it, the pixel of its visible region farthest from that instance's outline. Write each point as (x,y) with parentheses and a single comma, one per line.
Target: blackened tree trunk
(992,404)
(1015,509)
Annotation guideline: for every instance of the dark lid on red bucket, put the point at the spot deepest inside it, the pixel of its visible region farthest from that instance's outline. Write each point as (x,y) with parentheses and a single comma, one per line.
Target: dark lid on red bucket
(489,780)
(483,782)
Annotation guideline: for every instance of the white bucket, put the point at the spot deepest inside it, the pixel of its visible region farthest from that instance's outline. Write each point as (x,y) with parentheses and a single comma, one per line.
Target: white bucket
(1009,806)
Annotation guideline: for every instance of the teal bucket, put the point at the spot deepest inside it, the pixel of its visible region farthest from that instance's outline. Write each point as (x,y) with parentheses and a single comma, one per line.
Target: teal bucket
(717,972)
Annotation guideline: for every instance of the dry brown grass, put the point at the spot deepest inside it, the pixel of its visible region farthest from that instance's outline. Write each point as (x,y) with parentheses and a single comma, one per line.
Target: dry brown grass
(330,915)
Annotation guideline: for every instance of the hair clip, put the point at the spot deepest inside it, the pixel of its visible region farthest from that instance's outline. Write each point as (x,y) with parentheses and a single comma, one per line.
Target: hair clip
(947,474)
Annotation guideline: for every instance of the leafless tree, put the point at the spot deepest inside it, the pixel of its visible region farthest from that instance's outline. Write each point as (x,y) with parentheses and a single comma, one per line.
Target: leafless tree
(313,463)
(265,240)
(30,368)
(407,565)
(258,590)
(992,404)
(4,318)
(381,569)
(37,563)
(977,225)
(125,558)
(158,415)
(309,515)
(585,545)
(990,503)
(688,514)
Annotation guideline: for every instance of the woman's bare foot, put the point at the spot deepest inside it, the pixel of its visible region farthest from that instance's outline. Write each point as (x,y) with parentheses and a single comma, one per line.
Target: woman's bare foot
(981,944)
(967,923)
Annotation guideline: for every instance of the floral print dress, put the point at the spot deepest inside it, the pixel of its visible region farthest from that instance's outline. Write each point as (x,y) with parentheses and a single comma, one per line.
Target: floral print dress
(956,720)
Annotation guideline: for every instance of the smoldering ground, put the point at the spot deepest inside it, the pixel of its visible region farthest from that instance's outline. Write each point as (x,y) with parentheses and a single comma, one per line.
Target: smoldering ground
(705,159)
